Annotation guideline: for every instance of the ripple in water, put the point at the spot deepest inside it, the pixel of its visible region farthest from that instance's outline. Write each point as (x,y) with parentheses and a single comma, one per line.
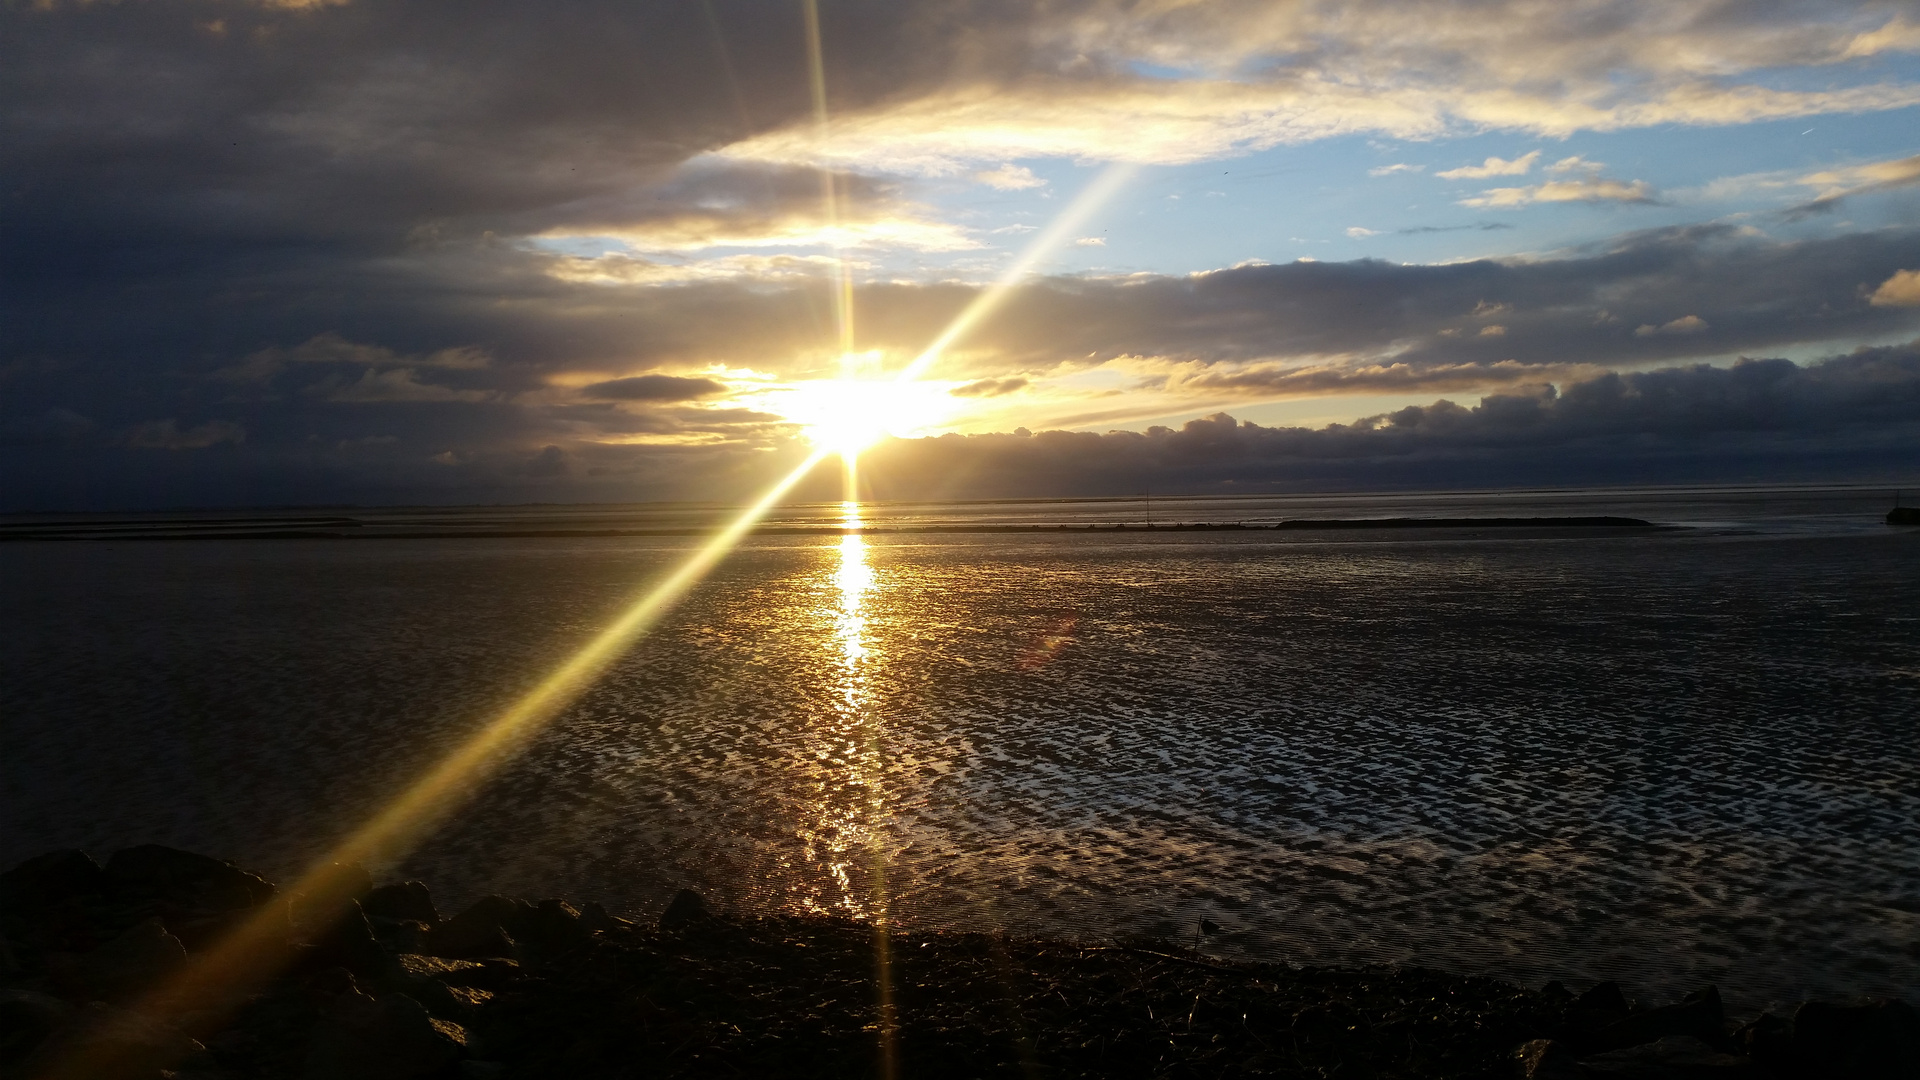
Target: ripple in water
(1666,759)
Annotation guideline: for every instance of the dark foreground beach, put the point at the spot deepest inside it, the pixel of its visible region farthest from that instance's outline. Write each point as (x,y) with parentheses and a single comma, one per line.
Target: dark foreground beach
(370,982)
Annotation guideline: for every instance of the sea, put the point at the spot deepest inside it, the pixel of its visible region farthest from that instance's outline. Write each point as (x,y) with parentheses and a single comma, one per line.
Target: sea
(1672,756)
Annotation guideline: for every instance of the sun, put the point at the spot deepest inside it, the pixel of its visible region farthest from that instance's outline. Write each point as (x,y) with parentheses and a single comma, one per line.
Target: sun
(848,415)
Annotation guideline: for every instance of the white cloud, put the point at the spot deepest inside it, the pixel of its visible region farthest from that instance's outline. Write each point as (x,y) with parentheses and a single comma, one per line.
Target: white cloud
(1685,324)
(1495,330)
(1898,35)
(1358,233)
(1010,178)
(1493,166)
(1397,167)
(1588,189)
(1900,290)
(617,269)
(1090,241)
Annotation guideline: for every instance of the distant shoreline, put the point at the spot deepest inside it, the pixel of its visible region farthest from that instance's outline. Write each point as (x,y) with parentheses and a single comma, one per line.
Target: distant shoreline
(348,529)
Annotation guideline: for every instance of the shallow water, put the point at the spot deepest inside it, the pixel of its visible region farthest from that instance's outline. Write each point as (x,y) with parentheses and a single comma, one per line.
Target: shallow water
(1669,758)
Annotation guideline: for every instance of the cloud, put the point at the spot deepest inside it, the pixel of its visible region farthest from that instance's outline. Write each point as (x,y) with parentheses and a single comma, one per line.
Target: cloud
(54,425)
(1585,189)
(985,388)
(1822,419)
(1397,167)
(166,435)
(1493,166)
(1009,178)
(1898,35)
(1359,233)
(1091,241)
(1685,324)
(1900,290)
(654,388)
(1843,183)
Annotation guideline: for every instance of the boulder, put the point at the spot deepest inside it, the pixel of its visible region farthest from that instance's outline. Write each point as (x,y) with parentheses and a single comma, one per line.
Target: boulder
(1676,1057)
(686,907)
(1698,1015)
(1545,1059)
(406,901)
(594,918)
(480,930)
(185,881)
(388,1038)
(100,1040)
(46,880)
(553,926)
(348,942)
(135,962)
(26,1017)
(1860,1040)
(1768,1041)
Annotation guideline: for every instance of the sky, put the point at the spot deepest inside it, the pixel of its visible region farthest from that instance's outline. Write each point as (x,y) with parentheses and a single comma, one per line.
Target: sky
(319,252)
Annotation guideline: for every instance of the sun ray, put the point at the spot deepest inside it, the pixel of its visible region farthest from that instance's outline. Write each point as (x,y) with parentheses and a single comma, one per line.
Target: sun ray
(990,298)
(257,949)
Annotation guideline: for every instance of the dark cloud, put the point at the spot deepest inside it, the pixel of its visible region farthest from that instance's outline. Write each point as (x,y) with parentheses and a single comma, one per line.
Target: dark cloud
(984,388)
(1851,416)
(654,388)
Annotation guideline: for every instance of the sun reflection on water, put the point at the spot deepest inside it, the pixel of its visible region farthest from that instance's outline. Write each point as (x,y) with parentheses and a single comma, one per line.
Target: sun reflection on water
(843,833)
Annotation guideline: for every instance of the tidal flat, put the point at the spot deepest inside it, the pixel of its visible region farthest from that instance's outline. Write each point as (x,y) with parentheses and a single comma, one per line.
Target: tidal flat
(1670,759)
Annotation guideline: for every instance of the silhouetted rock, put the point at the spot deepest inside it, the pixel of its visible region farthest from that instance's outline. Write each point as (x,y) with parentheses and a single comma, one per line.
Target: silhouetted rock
(1676,1057)
(99,1040)
(184,880)
(1904,515)
(1545,1059)
(686,907)
(406,901)
(134,962)
(1768,1041)
(1698,1015)
(348,942)
(480,930)
(1601,1007)
(553,926)
(1861,1040)
(45,880)
(390,1038)
(26,1017)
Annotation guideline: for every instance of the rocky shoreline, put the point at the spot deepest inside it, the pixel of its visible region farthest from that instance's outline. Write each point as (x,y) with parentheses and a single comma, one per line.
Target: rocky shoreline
(373,983)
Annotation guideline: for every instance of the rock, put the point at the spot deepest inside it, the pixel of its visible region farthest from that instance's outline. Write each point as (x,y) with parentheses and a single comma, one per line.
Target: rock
(1602,1006)
(554,926)
(405,901)
(26,1017)
(480,930)
(595,920)
(686,907)
(348,943)
(137,961)
(46,880)
(1544,1059)
(1861,1040)
(100,1040)
(9,960)
(184,880)
(1676,1057)
(389,1038)
(483,1070)
(1698,1015)
(1768,1041)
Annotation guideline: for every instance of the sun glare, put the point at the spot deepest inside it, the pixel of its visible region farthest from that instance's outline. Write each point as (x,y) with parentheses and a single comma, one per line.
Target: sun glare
(848,415)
